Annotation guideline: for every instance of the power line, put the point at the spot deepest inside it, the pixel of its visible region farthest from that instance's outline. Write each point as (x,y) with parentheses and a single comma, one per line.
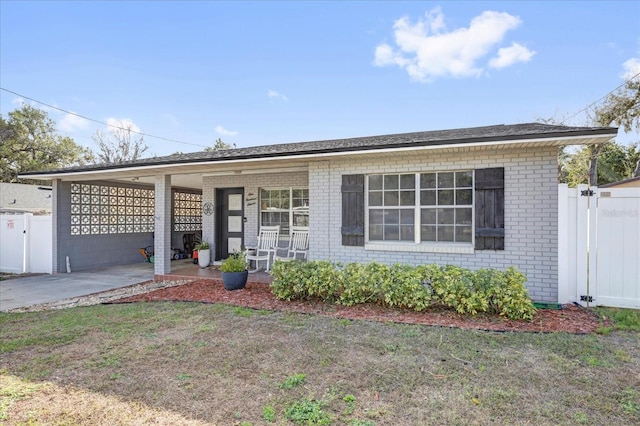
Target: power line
(102,122)
(595,102)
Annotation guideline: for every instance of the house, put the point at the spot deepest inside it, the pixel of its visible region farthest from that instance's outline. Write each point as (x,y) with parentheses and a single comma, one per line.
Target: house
(483,197)
(18,198)
(633,182)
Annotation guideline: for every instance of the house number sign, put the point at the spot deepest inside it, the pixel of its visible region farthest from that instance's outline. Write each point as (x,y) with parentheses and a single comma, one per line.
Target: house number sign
(207,208)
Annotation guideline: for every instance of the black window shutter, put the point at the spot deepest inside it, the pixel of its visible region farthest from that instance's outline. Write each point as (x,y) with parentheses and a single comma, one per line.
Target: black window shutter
(353,210)
(489,205)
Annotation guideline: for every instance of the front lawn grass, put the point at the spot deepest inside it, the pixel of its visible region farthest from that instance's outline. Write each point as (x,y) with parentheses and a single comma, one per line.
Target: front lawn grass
(197,364)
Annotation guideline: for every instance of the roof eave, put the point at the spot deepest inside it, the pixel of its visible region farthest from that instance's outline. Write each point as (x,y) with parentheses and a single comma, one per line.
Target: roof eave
(589,137)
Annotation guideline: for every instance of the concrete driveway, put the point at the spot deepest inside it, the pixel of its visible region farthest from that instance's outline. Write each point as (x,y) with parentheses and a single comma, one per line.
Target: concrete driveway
(28,291)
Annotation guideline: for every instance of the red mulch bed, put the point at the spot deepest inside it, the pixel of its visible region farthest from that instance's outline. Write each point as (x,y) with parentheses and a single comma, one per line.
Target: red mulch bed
(571,318)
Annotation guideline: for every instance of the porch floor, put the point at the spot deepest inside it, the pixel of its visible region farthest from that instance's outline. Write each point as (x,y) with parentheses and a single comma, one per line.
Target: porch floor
(185,269)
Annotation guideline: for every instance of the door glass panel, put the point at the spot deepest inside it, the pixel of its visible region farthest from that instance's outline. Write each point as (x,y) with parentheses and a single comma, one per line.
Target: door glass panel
(234,244)
(235,202)
(234,224)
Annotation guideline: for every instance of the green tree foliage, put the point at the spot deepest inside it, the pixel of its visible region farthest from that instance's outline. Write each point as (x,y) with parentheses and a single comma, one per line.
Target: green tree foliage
(611,162)
(615,162)
(622,108)
(29,142)
(219,145)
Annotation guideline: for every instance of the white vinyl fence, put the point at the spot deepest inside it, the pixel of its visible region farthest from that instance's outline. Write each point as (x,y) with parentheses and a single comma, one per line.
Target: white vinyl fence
(599,246)
(25,243)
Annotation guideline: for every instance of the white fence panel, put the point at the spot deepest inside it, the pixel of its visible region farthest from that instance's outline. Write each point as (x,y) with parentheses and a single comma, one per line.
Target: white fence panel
(39,244)
(26,244)
(618,247)
(599,246)
(12,244)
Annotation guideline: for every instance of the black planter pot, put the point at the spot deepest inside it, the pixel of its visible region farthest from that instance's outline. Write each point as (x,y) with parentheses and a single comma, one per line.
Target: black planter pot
(234,280)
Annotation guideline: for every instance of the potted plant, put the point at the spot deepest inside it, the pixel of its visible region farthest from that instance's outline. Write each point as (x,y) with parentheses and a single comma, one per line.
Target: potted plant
(234,271)
(204,253)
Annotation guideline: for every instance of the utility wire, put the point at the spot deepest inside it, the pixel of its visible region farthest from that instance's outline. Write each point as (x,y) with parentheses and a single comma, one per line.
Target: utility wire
(102,122)
(595,102)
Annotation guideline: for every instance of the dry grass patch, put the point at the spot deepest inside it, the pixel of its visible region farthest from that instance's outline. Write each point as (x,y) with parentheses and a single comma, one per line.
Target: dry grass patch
(51,404)
(216,364)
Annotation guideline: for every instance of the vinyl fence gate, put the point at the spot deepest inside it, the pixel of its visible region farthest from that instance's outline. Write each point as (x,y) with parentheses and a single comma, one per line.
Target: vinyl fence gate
(26,243)
(599,246)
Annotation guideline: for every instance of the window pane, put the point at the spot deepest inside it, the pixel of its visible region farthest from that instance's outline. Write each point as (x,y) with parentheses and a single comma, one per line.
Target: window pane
(391,182)
(375,182)
(375,198)
(390,198)
(464,197)
(464,179)
(463,234)
(428,216)
(445,233)
(406,233)
(406,217)
(391,216)
(428,233)
(408,181)
(376,217)
(428,198)
(445,216)
(301,219)
(297,194)
(445,180)
(284,201)
(407,198)
(391,233)
(428,180)
(375,232)
(463,216)
(445,197)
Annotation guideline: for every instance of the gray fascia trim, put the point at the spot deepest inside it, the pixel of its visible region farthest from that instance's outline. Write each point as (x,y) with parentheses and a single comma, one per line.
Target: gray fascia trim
(477,141)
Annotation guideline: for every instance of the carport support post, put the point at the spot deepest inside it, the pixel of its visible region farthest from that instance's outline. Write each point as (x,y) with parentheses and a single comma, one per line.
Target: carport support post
(162,241)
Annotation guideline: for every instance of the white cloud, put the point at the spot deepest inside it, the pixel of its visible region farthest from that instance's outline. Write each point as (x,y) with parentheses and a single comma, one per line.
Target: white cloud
(120,126)
(222,131)
(71,122)
(631,68)
(274,94)
(427,50)
(508,56)
(124,123)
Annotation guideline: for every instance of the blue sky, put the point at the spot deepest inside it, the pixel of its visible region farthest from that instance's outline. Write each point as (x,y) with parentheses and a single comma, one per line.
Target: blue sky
(259,73)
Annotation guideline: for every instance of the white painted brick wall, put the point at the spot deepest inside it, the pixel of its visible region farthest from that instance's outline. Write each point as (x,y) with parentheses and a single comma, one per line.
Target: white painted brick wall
(530,212)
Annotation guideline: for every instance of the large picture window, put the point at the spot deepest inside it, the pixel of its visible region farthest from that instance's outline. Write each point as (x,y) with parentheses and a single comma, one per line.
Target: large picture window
(286,207)
(421,207)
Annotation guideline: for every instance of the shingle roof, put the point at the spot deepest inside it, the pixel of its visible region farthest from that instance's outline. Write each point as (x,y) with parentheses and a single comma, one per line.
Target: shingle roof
(428,138)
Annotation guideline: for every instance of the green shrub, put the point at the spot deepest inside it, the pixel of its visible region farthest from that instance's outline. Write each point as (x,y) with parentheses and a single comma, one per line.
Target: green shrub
(511,298)
(404,286)
(361,283)
(236,262)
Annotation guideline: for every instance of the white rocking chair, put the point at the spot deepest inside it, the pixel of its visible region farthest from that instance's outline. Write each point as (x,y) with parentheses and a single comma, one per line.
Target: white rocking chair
(298,245)
(266,247)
